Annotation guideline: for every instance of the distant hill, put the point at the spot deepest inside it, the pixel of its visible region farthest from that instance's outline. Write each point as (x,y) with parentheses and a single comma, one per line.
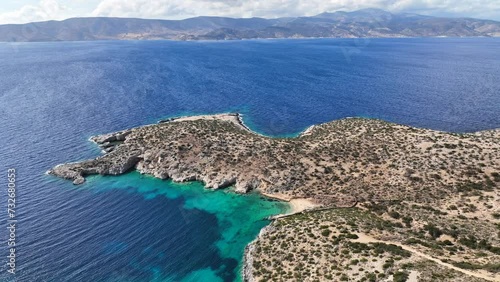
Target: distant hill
(361,23)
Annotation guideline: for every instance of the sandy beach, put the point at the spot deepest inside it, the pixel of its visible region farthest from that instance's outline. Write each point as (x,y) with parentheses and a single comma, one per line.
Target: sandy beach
(296,204)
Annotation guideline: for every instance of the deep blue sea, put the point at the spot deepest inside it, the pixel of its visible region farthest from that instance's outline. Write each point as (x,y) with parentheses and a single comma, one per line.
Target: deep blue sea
(54,96)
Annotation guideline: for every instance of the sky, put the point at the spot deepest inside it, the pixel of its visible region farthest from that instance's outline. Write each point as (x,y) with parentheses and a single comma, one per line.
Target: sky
(23,11)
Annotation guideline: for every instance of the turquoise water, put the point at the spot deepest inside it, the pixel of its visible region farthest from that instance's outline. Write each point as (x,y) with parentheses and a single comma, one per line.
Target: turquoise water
(239,217)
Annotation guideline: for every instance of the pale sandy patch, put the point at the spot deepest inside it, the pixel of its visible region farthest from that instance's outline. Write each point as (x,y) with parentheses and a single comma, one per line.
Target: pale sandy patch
(413,277)
(296,204)
(277,196)
(299,205)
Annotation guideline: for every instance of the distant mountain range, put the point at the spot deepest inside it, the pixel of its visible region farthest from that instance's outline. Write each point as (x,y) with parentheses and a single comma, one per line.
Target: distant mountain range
(361,23)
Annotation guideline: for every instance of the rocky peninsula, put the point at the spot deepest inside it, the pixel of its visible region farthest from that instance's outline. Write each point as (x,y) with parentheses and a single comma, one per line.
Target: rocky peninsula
(431,196)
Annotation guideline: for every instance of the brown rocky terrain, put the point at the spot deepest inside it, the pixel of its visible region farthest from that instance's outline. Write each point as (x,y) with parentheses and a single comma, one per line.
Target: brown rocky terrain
(391,202)
(340,162)
(397,242)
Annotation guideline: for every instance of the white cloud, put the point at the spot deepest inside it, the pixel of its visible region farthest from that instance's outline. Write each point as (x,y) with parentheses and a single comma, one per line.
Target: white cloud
(175,9)
(141,8)
(231,8)
(178,9)
(45,10)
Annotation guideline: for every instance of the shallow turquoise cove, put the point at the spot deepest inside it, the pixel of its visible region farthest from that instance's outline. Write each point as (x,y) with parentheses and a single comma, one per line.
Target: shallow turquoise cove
(239,217)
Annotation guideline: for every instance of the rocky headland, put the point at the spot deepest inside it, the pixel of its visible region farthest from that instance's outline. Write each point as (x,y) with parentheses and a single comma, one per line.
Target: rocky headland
(335,163)
(433,195)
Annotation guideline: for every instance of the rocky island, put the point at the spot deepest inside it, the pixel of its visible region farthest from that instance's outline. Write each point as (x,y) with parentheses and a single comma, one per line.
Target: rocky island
(388,202)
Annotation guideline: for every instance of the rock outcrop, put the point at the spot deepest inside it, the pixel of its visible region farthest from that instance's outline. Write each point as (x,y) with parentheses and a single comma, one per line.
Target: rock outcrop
(340,162)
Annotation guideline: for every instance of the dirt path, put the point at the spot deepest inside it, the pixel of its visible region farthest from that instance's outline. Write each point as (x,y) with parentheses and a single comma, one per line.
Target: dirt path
(363,238)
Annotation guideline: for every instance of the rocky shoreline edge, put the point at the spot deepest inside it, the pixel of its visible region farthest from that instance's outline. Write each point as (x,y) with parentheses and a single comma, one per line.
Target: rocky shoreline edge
(341,163)
(248,256)
(108,142)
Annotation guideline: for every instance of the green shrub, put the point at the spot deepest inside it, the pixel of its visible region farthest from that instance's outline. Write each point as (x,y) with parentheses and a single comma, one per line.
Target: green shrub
(326,232)
(433,231)
(400,276)
(351,236)
(394,214)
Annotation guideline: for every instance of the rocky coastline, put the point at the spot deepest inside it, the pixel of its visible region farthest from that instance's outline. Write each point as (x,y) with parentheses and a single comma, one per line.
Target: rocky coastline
(330,163)
(352,163)
(108,142)
(248,256)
